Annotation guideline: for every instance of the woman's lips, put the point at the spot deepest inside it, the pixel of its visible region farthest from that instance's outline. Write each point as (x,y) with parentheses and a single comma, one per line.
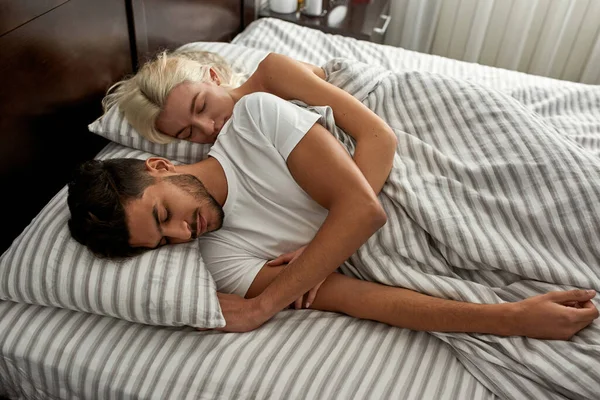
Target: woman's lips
(217,131)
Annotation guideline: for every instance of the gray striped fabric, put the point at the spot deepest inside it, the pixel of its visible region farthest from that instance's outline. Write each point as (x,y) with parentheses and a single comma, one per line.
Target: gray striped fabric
(53,353)
(486,203)
(61,354)
(46,266)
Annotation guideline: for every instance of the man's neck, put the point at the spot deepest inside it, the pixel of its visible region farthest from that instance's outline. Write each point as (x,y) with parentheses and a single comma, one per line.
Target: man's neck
(211,174)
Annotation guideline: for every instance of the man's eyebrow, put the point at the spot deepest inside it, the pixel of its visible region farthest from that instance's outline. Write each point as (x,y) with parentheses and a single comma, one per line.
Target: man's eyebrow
(155,215)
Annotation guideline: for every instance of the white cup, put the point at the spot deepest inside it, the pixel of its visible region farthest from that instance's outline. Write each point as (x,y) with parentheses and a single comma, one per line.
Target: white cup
(283,6)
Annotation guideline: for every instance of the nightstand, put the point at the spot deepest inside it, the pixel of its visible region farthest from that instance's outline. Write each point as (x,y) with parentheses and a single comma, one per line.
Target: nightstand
(364,20)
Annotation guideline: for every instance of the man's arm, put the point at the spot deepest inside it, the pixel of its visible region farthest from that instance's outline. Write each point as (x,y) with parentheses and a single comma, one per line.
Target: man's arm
(322,167)
(543,319)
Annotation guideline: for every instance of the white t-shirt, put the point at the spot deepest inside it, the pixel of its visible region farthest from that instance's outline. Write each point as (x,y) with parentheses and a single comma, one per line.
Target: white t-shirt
(266,212)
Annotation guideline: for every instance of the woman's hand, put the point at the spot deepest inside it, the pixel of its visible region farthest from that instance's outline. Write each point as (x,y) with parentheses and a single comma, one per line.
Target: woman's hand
(290,258)
(555,315)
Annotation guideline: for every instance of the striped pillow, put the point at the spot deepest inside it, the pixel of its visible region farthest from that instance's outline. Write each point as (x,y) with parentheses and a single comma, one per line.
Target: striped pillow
(169,286)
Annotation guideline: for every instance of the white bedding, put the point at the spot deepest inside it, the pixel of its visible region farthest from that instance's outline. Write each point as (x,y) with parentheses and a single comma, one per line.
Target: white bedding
(52,353)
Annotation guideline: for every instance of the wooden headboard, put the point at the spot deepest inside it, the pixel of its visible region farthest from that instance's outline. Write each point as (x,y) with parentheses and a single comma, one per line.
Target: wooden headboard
(57,58)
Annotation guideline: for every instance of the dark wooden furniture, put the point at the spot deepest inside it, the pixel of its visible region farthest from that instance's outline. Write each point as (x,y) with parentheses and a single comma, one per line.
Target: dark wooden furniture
(57,59)
(364,20)
(164,25)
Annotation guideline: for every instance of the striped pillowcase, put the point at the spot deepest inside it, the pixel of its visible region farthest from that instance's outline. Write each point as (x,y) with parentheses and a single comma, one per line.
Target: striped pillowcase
(114,127)
(169,286)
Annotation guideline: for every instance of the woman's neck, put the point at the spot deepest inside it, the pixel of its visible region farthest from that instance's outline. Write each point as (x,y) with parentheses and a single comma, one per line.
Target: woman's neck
(251,85)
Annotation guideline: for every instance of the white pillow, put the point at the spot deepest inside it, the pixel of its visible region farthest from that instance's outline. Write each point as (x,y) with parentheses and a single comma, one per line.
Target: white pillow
(168,286)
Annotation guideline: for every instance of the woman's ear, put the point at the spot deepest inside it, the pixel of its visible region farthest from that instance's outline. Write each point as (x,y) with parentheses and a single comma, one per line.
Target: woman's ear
(159,165)
(214,76)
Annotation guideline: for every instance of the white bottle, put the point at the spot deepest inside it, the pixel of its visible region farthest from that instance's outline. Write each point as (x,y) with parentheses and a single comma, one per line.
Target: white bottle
(313,7)
(283,6)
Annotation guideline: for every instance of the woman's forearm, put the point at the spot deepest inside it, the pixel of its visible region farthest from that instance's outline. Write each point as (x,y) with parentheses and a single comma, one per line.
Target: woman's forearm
(374,159)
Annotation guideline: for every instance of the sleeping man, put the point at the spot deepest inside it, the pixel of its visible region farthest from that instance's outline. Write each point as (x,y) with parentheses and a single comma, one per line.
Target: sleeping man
(274,182)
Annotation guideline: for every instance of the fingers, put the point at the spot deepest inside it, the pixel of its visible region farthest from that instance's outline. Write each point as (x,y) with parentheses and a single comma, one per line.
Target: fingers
(587,312)
(287,258)
(283,259)
(312,294)
(571,295)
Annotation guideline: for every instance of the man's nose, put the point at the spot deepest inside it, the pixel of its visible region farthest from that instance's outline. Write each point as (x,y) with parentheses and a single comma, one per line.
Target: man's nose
(177,231)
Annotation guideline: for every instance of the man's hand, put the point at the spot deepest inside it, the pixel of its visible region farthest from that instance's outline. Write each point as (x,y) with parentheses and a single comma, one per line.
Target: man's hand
(555,315)
(241,315)
(288,259)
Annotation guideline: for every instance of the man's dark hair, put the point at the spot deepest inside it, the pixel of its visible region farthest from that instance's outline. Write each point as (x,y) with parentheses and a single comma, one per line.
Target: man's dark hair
(98,192)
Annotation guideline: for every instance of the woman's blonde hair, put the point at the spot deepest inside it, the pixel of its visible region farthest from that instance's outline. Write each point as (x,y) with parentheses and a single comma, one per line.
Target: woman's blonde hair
(142,96)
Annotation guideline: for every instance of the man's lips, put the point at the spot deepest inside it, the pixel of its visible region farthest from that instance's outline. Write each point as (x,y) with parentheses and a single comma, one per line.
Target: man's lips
(200,225)
(204,225)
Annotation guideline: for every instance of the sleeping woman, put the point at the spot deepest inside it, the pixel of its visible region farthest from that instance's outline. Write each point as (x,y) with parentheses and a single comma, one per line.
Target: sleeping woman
(183,95)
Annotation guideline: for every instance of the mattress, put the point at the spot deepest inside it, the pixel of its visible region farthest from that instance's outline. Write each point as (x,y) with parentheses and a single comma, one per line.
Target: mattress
(51,353)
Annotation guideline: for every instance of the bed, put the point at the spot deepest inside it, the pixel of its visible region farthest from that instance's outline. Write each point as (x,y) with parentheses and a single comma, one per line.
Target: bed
(50,353)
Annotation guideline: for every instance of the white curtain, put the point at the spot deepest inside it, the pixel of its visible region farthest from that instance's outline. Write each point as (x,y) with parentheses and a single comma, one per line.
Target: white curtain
(555,38)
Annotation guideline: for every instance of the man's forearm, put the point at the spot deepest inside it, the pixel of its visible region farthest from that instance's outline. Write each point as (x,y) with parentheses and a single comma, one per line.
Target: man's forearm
(408,309)
(336,241)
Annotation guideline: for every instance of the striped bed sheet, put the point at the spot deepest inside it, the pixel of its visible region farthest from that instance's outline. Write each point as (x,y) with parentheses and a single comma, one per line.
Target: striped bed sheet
(60,354)
(51,353)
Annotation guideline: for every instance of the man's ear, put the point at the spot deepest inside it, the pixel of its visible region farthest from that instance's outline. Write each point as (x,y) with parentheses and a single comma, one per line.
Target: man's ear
(214,76)
(159,165)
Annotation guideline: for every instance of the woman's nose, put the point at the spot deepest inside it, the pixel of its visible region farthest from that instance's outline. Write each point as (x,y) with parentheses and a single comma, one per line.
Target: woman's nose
(206,125)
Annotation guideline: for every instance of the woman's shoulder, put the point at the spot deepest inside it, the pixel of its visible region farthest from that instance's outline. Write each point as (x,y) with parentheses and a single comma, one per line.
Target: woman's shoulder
(257,100)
